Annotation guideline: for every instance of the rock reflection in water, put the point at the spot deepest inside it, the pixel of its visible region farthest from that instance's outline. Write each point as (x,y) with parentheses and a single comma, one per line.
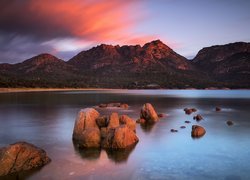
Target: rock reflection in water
(147,127)
(116,155)
(120,155)
(88,153)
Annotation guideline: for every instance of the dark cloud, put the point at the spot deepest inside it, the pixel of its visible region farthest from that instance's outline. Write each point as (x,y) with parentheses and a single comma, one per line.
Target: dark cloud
(28,27)
(14,48)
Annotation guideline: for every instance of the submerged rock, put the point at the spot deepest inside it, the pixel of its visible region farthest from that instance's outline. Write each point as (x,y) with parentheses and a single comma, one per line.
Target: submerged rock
(173,130)
(217,109)
(189,110)
(21,156)
(124,106)
(161,115)
(111,105)
(198,117)
(148,113)
(197,131)
(230,123)
(183,127)
(187,122)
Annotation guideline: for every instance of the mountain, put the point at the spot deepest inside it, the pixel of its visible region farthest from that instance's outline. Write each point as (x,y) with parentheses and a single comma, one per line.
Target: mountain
(38,70)
(153,65)
(153,56)
(230,62)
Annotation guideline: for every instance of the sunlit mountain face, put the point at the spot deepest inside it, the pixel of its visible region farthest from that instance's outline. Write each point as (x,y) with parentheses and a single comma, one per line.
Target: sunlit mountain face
(153,65)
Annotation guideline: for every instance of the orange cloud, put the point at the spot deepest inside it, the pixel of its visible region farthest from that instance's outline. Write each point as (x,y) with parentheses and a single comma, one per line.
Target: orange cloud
(92,21)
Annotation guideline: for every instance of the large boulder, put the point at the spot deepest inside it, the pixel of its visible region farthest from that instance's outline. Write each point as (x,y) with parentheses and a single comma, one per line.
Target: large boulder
(120,138)
(86,119)
(148,113)
(86,132)
(21,156)
(197,131)
(124,119)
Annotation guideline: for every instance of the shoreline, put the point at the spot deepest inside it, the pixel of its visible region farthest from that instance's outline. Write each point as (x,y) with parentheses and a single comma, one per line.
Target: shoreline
(16,90)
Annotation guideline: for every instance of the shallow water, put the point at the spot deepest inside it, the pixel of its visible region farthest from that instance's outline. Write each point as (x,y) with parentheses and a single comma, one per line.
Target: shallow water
(46,119)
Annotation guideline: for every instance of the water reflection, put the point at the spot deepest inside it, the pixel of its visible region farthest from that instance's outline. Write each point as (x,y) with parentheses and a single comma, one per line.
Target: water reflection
(117,156)
(87,153)
(47,120)
(121,155)
(147,127)
(21,175)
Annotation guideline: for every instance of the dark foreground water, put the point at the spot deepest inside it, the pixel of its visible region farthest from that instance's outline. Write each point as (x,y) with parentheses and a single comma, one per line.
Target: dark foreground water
(46,119)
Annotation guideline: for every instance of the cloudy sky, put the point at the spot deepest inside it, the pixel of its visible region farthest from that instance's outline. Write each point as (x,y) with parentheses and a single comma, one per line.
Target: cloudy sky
(66,27)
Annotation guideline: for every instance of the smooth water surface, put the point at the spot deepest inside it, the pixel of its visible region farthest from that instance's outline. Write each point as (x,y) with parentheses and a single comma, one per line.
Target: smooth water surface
(46,119)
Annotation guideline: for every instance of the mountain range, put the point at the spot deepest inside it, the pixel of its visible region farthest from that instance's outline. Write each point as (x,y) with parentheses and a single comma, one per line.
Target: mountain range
(154,65)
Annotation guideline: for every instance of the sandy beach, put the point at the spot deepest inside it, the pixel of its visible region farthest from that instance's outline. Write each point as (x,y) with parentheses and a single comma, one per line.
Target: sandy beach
(10,90)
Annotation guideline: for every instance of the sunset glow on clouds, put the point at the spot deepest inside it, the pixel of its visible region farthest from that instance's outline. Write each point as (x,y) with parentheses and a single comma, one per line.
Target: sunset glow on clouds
(66,27)
(73,25)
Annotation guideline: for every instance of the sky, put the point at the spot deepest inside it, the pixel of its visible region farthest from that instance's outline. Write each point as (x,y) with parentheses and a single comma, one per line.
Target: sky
(66,27)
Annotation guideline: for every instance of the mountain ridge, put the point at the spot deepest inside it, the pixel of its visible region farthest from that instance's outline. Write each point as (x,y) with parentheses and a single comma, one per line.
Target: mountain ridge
(134,66)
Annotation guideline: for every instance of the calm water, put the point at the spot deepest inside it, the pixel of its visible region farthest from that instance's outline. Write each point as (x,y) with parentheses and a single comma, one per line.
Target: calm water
(46,119)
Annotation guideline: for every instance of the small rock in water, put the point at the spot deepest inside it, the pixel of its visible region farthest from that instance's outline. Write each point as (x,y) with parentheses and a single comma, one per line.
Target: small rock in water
(160,115)
(197,131)
(149,114)
(189,110)
(124,106)
(103,105)
(198,117)
(174,130)
(183,127)
(187,122)
(193,109)
(217,109)
(230,123)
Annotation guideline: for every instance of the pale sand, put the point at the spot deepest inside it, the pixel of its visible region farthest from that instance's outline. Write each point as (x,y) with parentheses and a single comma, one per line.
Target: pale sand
(10,90)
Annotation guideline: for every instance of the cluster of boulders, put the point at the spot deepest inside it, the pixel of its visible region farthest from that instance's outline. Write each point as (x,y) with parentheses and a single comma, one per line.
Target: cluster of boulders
(112,132)
(111,105)
(91,130)
(21,156)
(198,131)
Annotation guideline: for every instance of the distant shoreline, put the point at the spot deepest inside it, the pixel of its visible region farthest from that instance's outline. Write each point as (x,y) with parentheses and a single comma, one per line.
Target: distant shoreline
(10,90)
(15,90)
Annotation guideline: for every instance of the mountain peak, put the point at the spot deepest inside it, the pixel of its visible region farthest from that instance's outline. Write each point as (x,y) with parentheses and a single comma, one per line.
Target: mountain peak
(43,58)
(156,44)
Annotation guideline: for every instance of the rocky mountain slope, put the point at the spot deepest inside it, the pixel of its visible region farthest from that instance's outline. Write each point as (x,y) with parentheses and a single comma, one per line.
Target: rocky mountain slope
(228,63)
(154,65)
